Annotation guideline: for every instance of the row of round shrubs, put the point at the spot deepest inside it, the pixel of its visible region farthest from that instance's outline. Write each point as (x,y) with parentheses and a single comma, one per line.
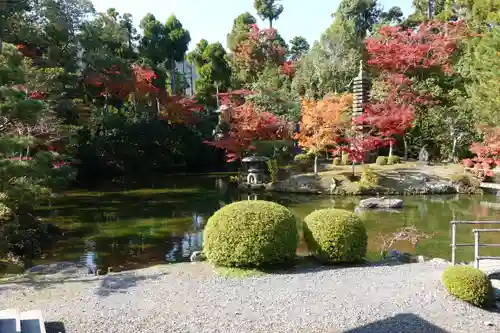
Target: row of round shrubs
(258,233)
(388,160)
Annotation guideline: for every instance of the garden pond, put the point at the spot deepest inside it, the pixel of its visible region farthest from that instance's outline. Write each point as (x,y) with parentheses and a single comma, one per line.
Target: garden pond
(163,221)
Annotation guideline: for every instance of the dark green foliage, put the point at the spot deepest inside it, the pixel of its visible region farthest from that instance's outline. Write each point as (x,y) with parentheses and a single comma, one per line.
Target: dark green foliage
(251,234)
(394,159)
(298,47)
(381,160)
(468,284)
(335,236)
(213,70)
(269,10)
(241,27)
(28,171)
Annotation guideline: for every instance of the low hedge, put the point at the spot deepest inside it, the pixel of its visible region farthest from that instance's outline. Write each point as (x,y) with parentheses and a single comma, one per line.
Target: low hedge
(337,161)
(468,284)
(335,236)
(252,233)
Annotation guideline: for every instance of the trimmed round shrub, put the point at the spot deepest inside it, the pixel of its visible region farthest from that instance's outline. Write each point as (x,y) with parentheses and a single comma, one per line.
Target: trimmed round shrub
(468,284)
(381,160)
(253,233)
(393,159)
(337,161)
(302,158)
(335,236)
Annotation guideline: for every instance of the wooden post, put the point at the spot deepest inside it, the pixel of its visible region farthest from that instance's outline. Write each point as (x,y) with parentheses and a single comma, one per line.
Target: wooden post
(453,242)
(476,249)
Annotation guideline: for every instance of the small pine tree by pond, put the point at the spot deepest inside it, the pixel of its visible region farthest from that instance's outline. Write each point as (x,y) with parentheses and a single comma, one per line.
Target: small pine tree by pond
(335,236)
(28,168)
(468,284)
(252,233)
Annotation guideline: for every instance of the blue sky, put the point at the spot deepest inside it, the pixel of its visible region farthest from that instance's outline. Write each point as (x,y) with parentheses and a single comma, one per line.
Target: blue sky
(212,19)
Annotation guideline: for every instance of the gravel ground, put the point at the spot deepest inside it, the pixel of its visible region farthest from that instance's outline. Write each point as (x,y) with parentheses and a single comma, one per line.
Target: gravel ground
(192,298)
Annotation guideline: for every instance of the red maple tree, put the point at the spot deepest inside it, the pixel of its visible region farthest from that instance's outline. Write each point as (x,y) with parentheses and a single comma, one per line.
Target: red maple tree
(260,47)
(246,125)
(397,56)
(137,83)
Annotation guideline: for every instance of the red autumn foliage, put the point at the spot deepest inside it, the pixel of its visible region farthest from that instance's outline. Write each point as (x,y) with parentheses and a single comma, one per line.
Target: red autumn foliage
(247,124)
(139,83)
(26,51)
(431,45)
(258,48)
(289,68)
(38,95)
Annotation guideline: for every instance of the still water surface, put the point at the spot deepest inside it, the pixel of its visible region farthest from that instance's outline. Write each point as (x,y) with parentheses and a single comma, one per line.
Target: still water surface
(158,223)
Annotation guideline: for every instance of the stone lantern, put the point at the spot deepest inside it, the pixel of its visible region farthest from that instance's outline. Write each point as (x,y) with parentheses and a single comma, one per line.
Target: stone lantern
(255,168)
(222,127)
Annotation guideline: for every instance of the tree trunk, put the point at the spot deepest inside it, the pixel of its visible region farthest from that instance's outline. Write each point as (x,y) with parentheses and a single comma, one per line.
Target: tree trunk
(316,165)
(453,148)
(406,148)
(270,23)
(390,149)
(1,44)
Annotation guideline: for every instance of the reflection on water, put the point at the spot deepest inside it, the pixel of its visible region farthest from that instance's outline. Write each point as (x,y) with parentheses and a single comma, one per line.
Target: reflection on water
(164,223)
(190,243)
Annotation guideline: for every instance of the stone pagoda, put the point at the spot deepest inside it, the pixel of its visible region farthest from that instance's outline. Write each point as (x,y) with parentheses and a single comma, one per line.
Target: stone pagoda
(361,89)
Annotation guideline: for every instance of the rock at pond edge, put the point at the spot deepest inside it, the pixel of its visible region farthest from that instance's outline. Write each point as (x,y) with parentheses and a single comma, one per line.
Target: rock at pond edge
(380,203)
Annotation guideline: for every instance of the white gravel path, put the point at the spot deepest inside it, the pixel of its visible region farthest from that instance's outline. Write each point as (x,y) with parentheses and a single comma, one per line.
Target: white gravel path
(191,298)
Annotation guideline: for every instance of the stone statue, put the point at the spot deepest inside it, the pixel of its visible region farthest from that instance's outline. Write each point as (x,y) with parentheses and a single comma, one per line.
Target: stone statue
(423,156)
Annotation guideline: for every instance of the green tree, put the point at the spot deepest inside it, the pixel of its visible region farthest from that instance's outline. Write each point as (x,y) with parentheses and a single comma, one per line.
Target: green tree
(329,67)
(8,9)
(28,171)
(298,47)
(162,45)
(269,10)
(240,30)
(481,68)
(213,70)
(357,16)
(273,94)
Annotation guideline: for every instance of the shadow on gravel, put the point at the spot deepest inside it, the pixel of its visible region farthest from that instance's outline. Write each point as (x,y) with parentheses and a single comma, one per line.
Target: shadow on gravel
(55,327)
(309,265)
(403,322)
(120,283)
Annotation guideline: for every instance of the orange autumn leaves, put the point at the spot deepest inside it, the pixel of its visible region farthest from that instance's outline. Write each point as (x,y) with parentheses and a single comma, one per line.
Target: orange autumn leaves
(323,122)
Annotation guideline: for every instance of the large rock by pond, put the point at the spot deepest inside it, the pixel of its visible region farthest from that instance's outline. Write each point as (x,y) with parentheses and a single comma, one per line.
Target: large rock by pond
(380,203)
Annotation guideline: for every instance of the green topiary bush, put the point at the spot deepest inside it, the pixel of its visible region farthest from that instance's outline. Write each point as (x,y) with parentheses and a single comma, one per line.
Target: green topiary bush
(251,234)
(337,161)
(335,236)
(468,284)
(393,159)
(369,178)
(381,160)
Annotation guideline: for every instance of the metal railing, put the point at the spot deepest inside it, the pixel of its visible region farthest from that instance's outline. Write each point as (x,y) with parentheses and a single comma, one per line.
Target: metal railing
(476,243)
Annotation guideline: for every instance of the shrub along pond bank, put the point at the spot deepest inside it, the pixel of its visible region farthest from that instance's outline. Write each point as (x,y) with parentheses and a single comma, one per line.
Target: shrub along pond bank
(129,228)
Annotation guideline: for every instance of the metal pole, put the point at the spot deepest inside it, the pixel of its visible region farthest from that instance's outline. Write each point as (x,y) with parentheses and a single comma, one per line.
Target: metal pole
(453,242)
(476,249)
